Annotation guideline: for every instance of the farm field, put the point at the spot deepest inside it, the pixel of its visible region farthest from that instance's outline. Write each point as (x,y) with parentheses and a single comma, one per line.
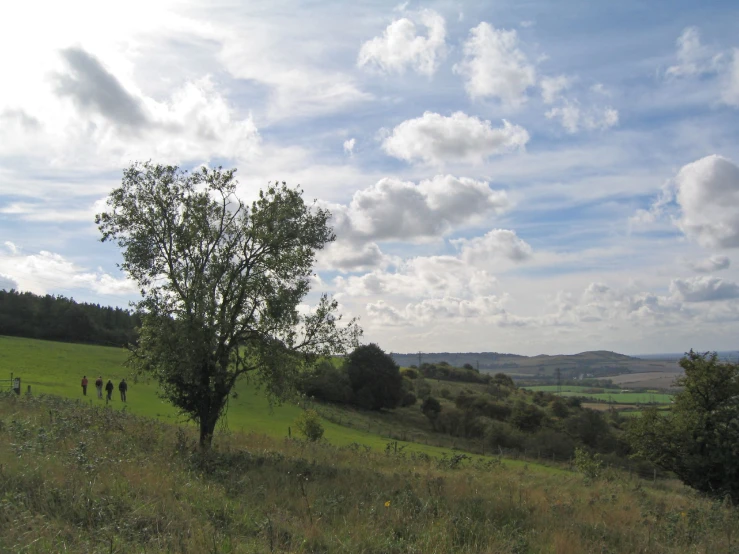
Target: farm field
(649,379)
(610,395)
(57,368)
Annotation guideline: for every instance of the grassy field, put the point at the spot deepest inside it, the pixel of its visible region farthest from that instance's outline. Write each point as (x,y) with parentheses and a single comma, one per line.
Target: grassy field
(57,368)
(94,480)
(615,396)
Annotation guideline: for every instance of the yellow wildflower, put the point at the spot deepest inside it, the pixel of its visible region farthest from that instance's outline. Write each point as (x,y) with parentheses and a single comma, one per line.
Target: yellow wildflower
(387,504)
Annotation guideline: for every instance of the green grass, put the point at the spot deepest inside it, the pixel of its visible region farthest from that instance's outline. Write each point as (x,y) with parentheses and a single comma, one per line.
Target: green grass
(57,368)
(625,397)
(81,479)
(610,395)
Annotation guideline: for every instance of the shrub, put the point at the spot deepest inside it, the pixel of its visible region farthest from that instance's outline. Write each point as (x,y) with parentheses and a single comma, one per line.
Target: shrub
(326,383)
(309,425)
(590,465)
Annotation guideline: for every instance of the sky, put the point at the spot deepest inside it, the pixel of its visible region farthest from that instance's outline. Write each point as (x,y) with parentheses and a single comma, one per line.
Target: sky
(519,176)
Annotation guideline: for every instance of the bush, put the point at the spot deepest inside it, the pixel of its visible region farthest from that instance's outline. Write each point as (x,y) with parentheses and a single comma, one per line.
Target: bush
(374,377)
(431,408)
(326,383)
(590,465)
(409,399)
(309,425)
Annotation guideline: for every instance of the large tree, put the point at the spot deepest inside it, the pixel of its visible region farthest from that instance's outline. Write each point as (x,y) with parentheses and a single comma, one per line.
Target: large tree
(222,284)
(698,439)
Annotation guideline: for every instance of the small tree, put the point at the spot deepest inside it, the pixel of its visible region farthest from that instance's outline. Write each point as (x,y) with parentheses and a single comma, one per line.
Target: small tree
(375,378)
(698,439)
(308,424)
(221,283)
(431,408)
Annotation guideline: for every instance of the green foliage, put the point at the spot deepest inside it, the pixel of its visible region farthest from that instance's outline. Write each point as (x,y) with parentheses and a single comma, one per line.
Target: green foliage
(375,378)
(526,417)
(309,425)
(445,372)
(24,314)
(431,408)
(590,465)
(222,282)
(698,439)
(327,383)
(91,479)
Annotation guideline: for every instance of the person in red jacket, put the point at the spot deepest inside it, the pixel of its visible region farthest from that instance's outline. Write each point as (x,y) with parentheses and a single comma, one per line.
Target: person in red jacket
(84,385)
(99,386)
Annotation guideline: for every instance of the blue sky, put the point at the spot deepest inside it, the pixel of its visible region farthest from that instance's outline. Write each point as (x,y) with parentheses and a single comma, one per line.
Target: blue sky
(527,177)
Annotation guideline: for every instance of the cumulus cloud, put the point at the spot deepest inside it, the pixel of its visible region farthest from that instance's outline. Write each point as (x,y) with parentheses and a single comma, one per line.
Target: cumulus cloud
(709,265)
(495,245)
(574,118)
(404,211)
(494,66)
(419,278)
(434,138)
(704,289)
(48,272)
(708,195)
(401,46)
(349,146)
(346,256)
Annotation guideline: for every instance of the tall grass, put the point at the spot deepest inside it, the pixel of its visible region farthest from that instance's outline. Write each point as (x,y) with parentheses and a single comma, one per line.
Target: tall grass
(76,478)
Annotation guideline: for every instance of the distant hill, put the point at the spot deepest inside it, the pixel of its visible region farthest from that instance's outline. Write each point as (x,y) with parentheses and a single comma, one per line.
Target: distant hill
(597,363)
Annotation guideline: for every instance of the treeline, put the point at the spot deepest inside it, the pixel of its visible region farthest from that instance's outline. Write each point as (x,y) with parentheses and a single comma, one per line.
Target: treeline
(461,402)
(24,314)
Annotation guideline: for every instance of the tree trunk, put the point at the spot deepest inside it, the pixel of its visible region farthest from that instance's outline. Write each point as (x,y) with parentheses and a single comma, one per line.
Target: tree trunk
(207,427)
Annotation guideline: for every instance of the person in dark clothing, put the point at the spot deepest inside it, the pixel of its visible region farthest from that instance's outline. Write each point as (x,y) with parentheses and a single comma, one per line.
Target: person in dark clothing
(84,385)
(109,389)
(123,387)
(99,387)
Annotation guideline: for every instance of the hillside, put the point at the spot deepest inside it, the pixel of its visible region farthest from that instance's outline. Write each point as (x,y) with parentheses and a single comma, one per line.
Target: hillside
(597,363)
(82,479)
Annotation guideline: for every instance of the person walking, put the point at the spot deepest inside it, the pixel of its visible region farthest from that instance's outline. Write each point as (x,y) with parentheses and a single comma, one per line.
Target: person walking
(109,389)
(99,387)
(122,388)
(84,385)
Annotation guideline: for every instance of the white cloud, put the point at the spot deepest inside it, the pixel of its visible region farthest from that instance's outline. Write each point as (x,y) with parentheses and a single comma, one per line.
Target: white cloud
(693,58)
(404,211)
(494,66)
(708,195)
(347,256)
(552,87)
(349,146)
(704,289)
(709,265)
(401,46)
(48,272)
(494,246)
(12,247)
(573,118)
(111,126)
(434,138)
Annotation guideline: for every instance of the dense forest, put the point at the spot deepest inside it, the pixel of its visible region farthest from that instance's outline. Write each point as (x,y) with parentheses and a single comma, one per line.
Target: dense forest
(24,314)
